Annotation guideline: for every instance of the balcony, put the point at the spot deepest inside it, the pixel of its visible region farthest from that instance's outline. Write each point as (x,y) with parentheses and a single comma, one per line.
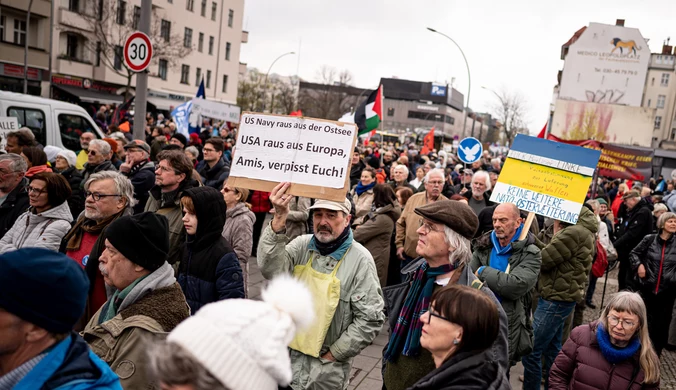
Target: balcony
(74,20)
(242,68)
(245,37)
(74,67)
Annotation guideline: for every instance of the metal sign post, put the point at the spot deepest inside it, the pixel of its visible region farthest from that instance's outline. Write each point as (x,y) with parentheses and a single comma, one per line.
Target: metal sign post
(143,55)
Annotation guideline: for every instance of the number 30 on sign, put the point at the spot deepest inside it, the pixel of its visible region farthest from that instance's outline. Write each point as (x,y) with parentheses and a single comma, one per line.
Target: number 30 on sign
(138,51)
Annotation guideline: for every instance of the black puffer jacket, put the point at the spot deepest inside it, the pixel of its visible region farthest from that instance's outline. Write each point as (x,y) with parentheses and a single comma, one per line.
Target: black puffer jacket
(210,270)
(216,176)
(89,170)
(659,259)
(466,371)
(142,176)
(637,224)
(15,204)
(76,200)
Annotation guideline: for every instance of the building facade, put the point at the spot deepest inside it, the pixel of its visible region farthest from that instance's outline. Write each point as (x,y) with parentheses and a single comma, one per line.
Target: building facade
(14,30)
(194,40)
(660,94)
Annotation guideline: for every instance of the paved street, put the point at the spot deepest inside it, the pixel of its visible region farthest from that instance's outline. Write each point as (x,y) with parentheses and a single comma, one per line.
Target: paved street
(366,367)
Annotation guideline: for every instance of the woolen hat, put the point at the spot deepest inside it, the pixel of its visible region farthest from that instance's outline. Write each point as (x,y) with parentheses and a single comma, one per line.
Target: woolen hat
(181,138)
(243,343)
(456,215)
(43,287)
(141,238)
(602,201)
(69,155)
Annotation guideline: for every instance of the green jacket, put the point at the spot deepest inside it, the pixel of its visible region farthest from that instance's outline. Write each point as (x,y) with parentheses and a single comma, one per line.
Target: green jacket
(513,288)
(567,259)
(358,317)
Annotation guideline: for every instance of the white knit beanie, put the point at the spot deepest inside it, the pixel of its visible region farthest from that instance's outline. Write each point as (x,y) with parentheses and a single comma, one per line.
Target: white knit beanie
(69,155)
(243,343)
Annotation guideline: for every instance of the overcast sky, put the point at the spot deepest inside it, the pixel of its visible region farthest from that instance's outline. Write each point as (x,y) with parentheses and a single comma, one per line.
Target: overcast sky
(513,45)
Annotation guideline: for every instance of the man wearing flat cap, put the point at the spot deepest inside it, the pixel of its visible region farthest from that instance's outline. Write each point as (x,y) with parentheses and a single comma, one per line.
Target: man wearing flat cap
(342,278)
(444,252)
(146,301)
(636,224)
(140,170)
(42,295)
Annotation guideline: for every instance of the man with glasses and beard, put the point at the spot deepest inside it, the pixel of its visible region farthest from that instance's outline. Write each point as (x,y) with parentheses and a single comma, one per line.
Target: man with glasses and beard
(98,159)
(342,278)
(13,195)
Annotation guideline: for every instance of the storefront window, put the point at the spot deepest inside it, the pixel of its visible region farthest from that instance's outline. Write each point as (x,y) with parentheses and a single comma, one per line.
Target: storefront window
(71,127)
(32,118)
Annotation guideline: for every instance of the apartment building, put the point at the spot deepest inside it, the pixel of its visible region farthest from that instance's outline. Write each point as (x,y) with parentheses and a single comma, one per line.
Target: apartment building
(660,94)
(14,30)
(193,40)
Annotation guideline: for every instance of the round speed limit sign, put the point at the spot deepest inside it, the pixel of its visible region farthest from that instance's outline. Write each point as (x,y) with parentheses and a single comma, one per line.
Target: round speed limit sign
(138,51)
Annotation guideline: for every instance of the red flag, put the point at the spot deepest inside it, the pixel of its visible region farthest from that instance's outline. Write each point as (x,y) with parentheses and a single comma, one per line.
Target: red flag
(542,132)
(296,113)
(428,142)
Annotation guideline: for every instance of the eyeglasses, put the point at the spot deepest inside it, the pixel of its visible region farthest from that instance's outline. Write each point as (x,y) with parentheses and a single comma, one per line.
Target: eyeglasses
(31,190)
(428,228)
(614,321)
(97,196)
(433,314)
(92,152)
(208,150)
(436,183)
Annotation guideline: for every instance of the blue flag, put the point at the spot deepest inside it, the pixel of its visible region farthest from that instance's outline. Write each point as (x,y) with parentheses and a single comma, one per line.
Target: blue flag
(198,120)
(200,90)
(181,115)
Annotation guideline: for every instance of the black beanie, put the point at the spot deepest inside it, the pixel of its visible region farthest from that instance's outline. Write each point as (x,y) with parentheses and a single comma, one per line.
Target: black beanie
(181,138)
(43,287)
(141,238)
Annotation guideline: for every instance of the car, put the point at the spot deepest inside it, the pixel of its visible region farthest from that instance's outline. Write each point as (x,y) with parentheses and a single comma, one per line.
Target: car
(53,122)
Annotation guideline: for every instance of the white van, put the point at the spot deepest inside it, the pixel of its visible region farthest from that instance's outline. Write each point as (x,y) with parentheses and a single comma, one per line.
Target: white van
(53,122)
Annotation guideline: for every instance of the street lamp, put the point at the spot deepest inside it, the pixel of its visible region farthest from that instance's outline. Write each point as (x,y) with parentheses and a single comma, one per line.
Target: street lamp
(469,78)
(268,74)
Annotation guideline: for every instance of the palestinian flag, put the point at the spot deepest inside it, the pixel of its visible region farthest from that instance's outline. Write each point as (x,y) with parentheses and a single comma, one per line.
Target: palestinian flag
(370,113)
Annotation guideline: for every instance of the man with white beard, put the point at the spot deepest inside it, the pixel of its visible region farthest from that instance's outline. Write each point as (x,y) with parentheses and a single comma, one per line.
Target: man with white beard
(478,197)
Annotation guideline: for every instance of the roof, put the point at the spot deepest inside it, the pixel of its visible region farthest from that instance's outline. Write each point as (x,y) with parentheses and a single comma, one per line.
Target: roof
(572,40)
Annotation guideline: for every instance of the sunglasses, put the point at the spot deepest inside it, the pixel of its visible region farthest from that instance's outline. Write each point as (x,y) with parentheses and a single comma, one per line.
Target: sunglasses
(92,153)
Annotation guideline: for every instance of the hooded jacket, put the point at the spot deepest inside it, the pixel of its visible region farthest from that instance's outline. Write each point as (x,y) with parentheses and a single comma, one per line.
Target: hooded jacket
(142,177)
(514,287)
(15,204)
(215,176)
(42,230)
(210,270)
(659,259)
(375,234)
(70,365)
(466,371)
(238,230)
(567,259)
(637,224)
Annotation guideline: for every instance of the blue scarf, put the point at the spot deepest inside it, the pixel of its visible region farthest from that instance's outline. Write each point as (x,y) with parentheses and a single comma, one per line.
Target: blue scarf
(500,255)
(405,337)
(613,354)
(360,189)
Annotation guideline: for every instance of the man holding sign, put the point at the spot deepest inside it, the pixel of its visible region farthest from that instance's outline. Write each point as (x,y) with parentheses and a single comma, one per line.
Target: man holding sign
(342,278)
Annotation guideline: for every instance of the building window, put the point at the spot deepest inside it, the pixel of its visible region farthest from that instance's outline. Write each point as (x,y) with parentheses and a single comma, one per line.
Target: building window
(649,101)
(203,10)
(390,111)
(185,73)
(117,62)
(211,45)
(189,5)
(137,17)
(231,17)
(665,80)
(71,46)
(213,10)
(121,11)
(673,134)
(200,42)
(208,79)
(187,37)
(19,32)
(99,16)
(652,82)
(99,48)
(74,5)
(162,72)
(2,28)
(227,51)
(165,30)
(225,83)
(661,100)
(198,75)
(658,122)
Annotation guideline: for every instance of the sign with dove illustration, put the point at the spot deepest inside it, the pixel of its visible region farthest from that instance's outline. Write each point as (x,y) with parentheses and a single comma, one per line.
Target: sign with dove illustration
(470,150)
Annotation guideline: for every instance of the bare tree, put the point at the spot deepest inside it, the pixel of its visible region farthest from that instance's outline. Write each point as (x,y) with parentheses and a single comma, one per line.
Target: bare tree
(251,91)
(331,97)
(111,25)
(511,110)
(283,97)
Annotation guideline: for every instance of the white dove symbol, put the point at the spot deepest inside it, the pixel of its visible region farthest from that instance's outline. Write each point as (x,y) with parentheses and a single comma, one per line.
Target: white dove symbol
(470,153)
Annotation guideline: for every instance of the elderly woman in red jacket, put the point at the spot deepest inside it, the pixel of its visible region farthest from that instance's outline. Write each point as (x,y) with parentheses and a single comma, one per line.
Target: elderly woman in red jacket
(613,352)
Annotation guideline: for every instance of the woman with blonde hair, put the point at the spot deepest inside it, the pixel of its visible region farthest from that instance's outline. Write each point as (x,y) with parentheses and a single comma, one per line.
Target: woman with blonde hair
(613,352)
(238,229)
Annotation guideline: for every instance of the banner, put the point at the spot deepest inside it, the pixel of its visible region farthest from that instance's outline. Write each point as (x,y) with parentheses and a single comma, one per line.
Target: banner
(216,110)
(7,125)
(314,155)
(618,162)
(546,178)
(181,116)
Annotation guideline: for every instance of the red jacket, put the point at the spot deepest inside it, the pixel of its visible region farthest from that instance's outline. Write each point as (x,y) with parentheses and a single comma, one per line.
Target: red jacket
(260,202)
(581,366)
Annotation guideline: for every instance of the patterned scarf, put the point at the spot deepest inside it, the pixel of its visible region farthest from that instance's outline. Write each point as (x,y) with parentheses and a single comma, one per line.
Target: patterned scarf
(405,338)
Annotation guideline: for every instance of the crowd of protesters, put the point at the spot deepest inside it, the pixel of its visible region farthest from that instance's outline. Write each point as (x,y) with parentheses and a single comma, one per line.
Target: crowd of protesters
(106,250)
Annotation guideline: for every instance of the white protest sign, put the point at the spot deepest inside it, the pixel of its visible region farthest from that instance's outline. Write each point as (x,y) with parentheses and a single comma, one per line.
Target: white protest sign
(7,124)
(313,154)
(216,110)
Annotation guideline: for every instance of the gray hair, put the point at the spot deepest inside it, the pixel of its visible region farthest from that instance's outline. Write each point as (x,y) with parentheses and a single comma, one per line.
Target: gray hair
(123,185)
(431,164)
(101,145)
(192,150)
(487,179)
(662,220)
(594,204)
(463,251)
(17,163)
(174,365)
(660,207)
(119,136)
(402,167)
(435,171)
(496,161)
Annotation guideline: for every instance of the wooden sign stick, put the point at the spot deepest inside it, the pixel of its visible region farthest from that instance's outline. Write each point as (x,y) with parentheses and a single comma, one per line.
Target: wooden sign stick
(526,226)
